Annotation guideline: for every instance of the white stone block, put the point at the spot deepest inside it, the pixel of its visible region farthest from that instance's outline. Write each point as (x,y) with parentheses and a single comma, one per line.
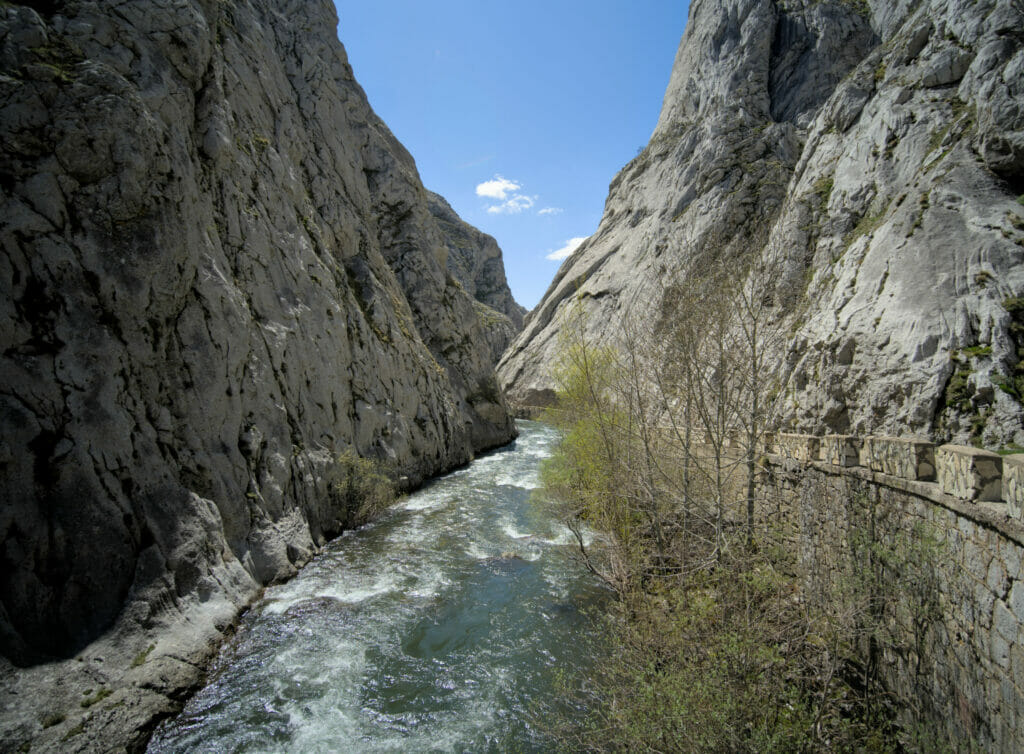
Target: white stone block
(1013,484)
(841,450)
(904,457)
(969,473)
(798,447)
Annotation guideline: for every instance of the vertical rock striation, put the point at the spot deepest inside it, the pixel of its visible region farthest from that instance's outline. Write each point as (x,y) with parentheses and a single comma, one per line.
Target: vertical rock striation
(879,147)
(219,269)
(474,259)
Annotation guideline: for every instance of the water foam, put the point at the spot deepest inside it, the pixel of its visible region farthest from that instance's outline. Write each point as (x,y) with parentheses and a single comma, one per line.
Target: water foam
(475,552)
(340,676)
(527,479)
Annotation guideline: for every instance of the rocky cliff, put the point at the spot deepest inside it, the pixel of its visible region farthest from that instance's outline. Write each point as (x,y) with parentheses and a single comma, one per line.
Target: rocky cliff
(219,270)
(474,259)
(880,147)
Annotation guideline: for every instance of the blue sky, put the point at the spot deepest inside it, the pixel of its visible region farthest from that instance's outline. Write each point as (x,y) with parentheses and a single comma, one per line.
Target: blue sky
(519,114)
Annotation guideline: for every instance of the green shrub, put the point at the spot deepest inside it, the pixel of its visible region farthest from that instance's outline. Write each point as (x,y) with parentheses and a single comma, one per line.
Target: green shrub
(1013,383)
(55,718)
(722,641)
(142,656)
(823,190)
(978,350)
(958,391)
(91,699)
(359,490)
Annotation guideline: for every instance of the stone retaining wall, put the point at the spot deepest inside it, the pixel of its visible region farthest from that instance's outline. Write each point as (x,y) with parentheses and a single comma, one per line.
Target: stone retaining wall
(944,561)
(963,472)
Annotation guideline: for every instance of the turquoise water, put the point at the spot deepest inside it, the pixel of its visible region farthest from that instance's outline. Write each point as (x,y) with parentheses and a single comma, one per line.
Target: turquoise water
(444,626)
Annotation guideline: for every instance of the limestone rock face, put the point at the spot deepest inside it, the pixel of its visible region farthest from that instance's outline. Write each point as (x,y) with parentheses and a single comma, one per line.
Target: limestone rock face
(218,270)
(474,259)
(880,145)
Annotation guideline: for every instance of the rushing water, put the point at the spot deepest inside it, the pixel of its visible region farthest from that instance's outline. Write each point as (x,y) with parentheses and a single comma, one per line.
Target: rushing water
(441,627)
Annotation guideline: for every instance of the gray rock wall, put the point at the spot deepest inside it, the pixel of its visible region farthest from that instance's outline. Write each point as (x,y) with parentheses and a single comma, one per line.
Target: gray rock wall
(878,153)
(218,270)
(474,259)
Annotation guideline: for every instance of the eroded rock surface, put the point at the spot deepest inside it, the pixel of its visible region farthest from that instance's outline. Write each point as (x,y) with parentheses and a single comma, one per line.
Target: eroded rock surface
(219,270)
(882,145)
(474,259)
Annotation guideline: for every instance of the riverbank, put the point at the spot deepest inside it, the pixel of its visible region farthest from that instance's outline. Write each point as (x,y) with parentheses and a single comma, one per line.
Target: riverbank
(447,623)
(113,694)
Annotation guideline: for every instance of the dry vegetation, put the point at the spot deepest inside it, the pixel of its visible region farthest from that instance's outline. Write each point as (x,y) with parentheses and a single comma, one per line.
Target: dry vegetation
(719,649)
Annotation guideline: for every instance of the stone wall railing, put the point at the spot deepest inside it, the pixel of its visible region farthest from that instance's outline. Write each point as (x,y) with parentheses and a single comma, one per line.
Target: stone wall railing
(963,472)
(960,668)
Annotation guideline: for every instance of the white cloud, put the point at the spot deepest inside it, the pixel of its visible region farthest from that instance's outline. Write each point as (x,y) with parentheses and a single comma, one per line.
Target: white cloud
(508,193)
(497,188)
(570,246)
(551,211)
(513,206)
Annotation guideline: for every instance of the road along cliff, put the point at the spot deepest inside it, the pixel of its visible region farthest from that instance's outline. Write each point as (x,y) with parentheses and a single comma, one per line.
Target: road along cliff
(219,272)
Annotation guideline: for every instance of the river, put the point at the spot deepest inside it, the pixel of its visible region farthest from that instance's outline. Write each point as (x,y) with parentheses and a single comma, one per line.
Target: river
(449,624)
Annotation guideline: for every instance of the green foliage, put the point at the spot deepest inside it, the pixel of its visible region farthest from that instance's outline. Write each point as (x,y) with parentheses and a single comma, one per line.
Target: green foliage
(958,391)
(924,202)
(891,142)
(76,730)
(962,111)
(55,718)
(720,647)
(60,57)
(1013,383)
(823,190)
(1012,386)
(959,394)
(142,656)
(1015,306)
(91,699)
(961,121)
(359,490)
(584,471)
(860,7)
(310,226)
(977,351)
(486,390)
(487,316)
(730,659)
(867,224)
(724,663)
(979,420)
(937,137)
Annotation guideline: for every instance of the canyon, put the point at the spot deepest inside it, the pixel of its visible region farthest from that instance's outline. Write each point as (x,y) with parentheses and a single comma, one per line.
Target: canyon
(221,272)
